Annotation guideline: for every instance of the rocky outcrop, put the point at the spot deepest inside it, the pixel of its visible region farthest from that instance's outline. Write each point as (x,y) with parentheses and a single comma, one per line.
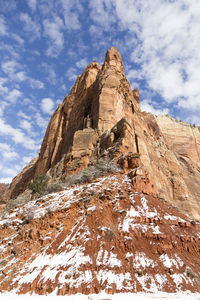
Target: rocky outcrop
(21,181)
(95,237)
(2,191)
(122,232)
(100,98)
(101,117)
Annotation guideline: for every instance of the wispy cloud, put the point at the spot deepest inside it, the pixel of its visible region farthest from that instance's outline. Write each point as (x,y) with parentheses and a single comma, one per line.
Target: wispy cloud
(53,30)
(23,115)
(13,95)
(7,153)
(102,13)
(35,83)
(51,74)
(17,38)
(32,4)
(82,63)
(71,74)
(70,12)
(9,67)
(47,106)
(17,136)
(154,108)
(32,28)
(3,89)
(41,121)
(12,69)
(167,46)
(3,27)
(26,125)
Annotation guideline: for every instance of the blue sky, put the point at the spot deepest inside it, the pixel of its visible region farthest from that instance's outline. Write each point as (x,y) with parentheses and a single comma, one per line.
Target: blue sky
(45,44)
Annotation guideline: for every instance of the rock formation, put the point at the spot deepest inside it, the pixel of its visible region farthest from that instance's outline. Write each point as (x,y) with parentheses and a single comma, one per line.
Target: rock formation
(2,191)
(132,229)
(101,117)
(99,236)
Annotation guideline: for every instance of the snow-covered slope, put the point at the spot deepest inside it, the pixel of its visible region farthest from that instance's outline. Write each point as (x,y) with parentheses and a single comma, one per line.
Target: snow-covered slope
(96,237)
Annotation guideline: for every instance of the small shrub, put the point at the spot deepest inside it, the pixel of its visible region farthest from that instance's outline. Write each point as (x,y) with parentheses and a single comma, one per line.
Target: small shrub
(109,235)
(39,184)
(54,187)
(102,165)
(76,163)
(110,232)
(86,175)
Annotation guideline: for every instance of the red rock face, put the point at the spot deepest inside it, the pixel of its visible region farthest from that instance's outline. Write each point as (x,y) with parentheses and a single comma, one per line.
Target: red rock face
(99,236)
(2,190)
(101,118)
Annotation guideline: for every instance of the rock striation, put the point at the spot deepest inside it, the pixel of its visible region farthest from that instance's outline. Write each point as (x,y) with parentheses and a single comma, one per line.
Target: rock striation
(99,236)
(101,118)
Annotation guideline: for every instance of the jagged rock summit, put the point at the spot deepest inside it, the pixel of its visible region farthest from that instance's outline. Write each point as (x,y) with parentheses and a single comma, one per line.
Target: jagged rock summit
(131,229)
(101,117)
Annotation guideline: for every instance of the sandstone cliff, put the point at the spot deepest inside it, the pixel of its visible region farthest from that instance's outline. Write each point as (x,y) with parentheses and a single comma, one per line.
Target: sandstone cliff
(2,191)
(131,229)
(101,117)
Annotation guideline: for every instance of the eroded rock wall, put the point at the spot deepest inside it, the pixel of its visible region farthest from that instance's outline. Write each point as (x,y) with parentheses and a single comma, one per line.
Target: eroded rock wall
(101,117)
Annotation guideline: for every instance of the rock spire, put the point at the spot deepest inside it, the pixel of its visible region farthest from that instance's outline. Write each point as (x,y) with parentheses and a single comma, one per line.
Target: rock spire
(101,118)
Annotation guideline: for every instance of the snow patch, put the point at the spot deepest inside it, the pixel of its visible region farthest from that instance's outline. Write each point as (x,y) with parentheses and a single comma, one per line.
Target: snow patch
(122,281)
(141,260)
(169,262)
(108,259)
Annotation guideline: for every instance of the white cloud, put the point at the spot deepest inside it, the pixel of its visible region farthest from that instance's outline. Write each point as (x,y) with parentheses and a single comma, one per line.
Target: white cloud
(27,159)
(193,119)
(13,95)
(71,74)
(70,11)
(10,155)
(82,63)
(17,135)
(47,105)
(2,107)
(20,76)
(50,71)
(32,4)
(32,28)
(161,38)
(34,83)
(4,147)
(63,87)
(167,46)
(26,125)
(23,115)
(102,12)
(148,106)
(3,27)
(6,179)
(53,30)
(3,89)
(17,38)
(9,172)
(9,67)
(41,122)
(7,153)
